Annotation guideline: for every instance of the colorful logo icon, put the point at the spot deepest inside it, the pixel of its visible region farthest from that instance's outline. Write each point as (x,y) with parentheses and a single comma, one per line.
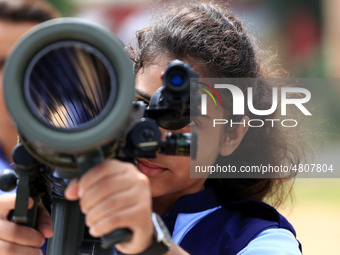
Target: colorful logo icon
(204,97)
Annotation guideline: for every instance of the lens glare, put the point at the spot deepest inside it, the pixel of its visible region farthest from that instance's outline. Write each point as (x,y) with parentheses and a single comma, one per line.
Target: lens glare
(69,84)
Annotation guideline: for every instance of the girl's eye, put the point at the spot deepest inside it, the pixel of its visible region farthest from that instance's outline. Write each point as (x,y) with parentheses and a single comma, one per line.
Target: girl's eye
(146,103)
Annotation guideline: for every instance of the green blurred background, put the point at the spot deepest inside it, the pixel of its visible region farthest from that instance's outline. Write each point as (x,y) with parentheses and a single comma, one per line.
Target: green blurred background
(305,35)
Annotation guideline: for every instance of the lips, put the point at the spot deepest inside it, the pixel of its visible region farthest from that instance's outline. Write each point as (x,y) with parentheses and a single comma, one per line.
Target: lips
(149,168)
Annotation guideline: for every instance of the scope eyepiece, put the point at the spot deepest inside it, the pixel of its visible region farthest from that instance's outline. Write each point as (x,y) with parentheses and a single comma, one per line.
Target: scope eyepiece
(177,80)
(170,104)
(177,75)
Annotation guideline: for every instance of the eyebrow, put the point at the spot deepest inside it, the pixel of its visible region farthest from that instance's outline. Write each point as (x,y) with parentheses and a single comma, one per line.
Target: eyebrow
(142,94)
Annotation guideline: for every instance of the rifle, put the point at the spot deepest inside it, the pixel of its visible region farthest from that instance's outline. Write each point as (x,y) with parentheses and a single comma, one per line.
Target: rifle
(69,87)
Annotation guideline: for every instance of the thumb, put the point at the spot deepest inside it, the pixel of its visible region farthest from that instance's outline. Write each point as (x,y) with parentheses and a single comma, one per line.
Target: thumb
(71,193)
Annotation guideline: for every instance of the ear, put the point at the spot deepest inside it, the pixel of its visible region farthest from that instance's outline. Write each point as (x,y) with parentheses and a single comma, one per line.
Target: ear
(232,140)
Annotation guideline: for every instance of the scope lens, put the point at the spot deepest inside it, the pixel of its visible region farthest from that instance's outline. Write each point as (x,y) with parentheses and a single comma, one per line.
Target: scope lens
(177,80)
(70,85)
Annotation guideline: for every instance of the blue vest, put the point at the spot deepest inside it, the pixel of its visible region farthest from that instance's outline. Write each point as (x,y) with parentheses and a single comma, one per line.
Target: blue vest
(226,230)
(223,230)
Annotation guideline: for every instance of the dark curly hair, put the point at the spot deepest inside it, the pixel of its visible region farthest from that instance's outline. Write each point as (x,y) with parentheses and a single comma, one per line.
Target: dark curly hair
(26,10)
(210,37)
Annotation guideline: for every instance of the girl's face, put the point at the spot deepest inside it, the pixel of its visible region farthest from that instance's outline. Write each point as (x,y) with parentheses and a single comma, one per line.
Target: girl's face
(170,175)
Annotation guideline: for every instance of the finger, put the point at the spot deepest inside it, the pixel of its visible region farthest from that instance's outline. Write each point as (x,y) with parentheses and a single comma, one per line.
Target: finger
(111,223)
(102,171)
(7,203)
(44,222)
(72,190)
(102,190)
(111,205)
(19,234)
(141,228)
(16,249)
(125,218)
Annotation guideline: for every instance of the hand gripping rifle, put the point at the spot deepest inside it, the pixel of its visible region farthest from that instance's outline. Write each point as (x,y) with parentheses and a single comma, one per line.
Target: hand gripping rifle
(69,87)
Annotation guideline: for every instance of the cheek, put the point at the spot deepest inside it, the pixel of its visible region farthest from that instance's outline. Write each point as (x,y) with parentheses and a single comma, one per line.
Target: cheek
(179,165)
(209,141)
(209,137)
(176,180)
(182,166)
